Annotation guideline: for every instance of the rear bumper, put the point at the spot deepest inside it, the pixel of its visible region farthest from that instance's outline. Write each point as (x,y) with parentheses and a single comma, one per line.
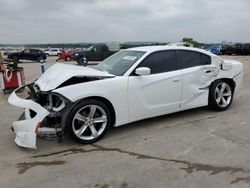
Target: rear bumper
(26,127)
(238,79)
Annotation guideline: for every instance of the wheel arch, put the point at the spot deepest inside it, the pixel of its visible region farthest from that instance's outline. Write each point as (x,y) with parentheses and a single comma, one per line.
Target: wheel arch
(230,81)
(102,99)
(109,105)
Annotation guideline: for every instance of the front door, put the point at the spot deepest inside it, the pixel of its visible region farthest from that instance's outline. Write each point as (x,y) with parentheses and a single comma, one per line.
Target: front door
(26,54)
(158,93)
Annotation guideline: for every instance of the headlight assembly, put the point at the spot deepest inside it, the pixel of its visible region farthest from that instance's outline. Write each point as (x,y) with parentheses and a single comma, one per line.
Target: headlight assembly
(57,102)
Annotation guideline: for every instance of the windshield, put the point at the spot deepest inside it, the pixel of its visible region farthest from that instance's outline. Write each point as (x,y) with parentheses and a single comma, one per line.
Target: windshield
(90,48)
(120,62)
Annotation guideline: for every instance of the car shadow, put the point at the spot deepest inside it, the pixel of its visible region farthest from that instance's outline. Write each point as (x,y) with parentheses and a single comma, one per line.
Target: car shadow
(167,121)
(172,119)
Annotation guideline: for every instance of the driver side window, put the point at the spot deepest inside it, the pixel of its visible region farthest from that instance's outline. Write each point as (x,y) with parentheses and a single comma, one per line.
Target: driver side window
(160,62)
(26,51)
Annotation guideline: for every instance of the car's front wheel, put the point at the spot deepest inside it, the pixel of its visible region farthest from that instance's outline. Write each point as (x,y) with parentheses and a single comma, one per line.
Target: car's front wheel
(67,58)
(220,95)
(88,121)
(83,61)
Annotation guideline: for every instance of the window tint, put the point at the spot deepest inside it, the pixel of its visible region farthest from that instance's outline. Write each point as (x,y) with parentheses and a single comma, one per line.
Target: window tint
(26,51)
(160,62)
(34,51)
(188,58)
(205,59)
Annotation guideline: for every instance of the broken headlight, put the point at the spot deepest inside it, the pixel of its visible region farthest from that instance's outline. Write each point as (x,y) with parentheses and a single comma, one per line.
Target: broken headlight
(57,102)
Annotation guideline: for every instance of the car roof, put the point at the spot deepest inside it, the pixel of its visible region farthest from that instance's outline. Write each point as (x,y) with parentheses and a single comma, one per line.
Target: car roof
(151,49)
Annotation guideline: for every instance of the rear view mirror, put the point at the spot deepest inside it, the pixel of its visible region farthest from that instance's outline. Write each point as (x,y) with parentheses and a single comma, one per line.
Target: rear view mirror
(142,71)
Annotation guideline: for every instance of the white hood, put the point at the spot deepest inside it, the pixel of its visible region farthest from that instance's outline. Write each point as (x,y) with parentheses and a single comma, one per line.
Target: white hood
(59,73)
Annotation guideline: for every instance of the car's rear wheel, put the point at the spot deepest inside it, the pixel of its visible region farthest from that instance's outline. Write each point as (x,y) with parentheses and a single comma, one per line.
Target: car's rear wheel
(220,95)
(67,58)
(88,121)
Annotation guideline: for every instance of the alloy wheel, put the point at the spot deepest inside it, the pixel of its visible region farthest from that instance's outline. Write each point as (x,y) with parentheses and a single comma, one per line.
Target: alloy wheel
(89,122)
(223,94)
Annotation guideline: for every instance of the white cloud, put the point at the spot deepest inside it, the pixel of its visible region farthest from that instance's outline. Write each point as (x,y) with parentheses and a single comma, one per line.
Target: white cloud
(44,21)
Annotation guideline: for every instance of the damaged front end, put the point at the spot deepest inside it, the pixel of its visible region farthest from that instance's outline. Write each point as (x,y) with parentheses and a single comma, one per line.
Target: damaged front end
(44,108)
(41,110)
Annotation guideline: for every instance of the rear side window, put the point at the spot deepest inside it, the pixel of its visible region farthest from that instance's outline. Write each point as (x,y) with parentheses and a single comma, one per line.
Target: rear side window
(188,59)
(33,51)
(205,59)
(26,51)
(159,62)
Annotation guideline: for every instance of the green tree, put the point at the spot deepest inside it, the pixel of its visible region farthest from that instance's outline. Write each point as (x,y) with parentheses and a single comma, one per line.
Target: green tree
(191,41)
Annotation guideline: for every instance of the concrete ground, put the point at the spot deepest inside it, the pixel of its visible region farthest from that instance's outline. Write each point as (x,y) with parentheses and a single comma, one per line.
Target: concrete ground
(197,148)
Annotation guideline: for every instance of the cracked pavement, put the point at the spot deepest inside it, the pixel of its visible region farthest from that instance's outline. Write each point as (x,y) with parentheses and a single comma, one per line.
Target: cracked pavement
(192,149)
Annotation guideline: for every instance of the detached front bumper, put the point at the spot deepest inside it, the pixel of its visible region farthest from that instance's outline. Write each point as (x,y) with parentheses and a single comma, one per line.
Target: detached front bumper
(26,128)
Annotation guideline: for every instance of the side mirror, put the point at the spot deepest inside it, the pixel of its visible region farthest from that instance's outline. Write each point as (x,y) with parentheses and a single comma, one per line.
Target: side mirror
(142,71)
(226,66)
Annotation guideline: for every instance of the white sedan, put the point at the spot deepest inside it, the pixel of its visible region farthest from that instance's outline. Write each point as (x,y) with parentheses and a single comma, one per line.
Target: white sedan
(53,52)
(131,85)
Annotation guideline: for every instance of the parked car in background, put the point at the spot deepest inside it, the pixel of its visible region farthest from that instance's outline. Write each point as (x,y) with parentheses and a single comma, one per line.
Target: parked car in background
(228,50)
(215,49)
(46,50)
(66,56)
(53,52)
(131,85)
(236,49)
(27,54)
(93,53)
(242,49)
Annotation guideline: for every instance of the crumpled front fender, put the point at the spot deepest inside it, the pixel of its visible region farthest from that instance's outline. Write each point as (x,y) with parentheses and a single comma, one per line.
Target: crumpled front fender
(25,128)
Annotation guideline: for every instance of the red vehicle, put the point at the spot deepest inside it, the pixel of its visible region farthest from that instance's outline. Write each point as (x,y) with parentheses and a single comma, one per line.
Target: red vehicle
(66,56)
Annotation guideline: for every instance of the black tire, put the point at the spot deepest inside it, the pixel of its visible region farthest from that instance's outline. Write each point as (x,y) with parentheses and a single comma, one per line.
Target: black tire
(15,59)
(67,58)
(215,101)
(80,61)
(74,125)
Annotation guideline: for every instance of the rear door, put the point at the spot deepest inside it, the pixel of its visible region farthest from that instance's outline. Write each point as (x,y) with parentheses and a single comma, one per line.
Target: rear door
(34,54)
(104,52)
(26,54)
(93,53)
(197,74)
(158,93)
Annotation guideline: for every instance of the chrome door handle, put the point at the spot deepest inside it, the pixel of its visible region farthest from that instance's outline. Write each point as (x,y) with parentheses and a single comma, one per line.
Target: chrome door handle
(176,80)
